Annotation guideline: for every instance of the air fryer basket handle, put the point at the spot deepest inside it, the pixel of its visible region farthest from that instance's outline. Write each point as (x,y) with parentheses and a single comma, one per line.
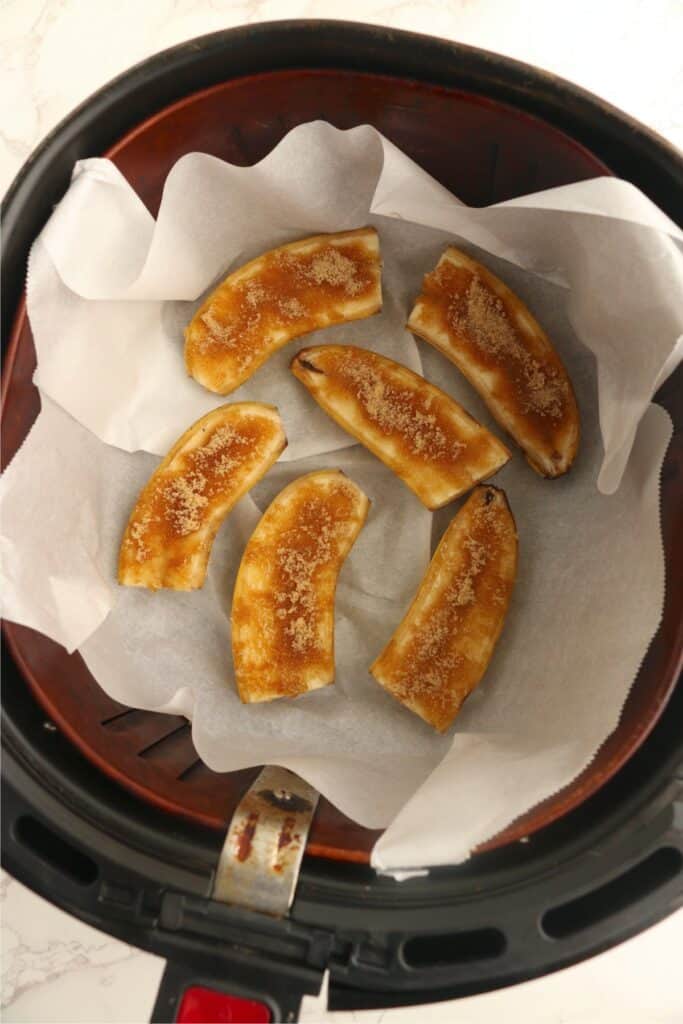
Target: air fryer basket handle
(51,859)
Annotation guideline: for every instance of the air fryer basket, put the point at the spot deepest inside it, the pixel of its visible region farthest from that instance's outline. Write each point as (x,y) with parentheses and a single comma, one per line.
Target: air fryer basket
(132,845)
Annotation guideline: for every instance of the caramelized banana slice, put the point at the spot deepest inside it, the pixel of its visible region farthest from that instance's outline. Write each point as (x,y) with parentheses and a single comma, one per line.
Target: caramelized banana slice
(421,433)
(313,283)
(170,532)
(441,649)
(481,326)
(283,604)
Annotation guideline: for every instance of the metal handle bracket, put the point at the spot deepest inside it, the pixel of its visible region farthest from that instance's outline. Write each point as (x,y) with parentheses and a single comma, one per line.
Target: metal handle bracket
(259,864)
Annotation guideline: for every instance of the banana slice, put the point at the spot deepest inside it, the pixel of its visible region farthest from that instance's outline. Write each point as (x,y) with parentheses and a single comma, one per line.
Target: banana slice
(421,433)
(313,283)
(283,604)
(170,532)
(481,326)
(442,647)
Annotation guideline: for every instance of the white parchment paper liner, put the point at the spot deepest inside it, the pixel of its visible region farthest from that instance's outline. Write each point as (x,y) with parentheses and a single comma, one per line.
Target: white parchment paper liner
(109,290)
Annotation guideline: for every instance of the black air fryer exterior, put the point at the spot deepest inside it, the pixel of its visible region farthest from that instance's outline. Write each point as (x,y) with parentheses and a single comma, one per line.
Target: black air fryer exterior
(612,867)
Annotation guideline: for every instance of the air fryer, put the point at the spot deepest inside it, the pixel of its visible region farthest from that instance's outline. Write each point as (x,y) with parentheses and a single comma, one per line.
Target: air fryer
(108,812)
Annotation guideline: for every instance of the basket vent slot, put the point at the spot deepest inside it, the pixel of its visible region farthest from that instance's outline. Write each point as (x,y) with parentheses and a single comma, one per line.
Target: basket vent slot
(55,851)
(453,948)
(633,885)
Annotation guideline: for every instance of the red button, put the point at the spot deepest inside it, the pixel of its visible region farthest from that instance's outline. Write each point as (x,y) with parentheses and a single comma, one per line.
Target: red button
(206,1006)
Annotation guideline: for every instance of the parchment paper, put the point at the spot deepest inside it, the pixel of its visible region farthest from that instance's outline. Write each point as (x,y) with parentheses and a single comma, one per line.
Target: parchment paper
(109,292)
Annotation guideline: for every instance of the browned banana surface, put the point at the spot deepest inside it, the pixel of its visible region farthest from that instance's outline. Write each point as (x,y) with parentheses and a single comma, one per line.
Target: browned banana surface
(283,603)
(416,429)
(300,287)
(170,532)
(442,648)
(474,319)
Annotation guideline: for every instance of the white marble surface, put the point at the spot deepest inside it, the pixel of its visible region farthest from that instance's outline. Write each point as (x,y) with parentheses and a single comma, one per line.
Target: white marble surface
(56,969)
(53,53)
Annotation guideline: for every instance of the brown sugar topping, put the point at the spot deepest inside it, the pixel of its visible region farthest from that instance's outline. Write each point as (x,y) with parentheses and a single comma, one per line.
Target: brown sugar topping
(288,285)
(305,549)
(225,450)
(430,665)
(396,409)
(136,537)
(480,315)
(218,332)
(292,309)
(345,271)
(432,662)
(333,267)
(283,608)
(254,292)
(184,499)
(178,505)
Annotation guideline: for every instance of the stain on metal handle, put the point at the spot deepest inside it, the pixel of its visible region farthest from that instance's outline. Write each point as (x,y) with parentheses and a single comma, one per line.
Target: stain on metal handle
(259,864)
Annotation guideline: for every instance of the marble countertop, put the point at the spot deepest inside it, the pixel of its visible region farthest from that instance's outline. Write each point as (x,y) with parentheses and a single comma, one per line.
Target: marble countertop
(55,968)
(54,53)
